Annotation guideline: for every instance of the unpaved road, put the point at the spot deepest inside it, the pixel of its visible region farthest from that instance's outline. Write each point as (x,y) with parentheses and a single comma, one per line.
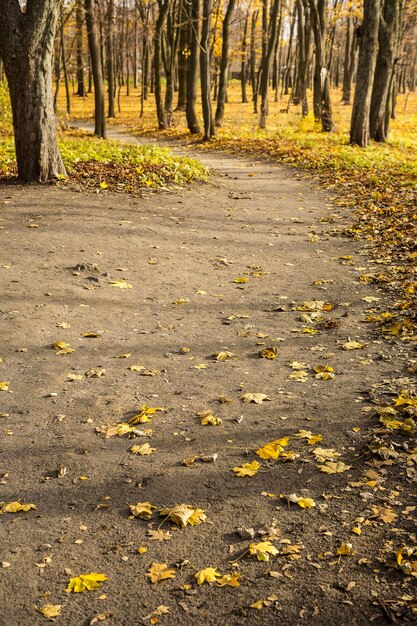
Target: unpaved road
(181,252)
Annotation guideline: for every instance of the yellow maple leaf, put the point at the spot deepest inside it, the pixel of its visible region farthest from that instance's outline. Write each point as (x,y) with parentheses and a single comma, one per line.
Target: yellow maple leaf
(50,610)
(229,580)
(212,420)
(241,279)
(273,449)
(259,604)
(257,398)
(85,582)
(224,356)
(15,507)
(183,514)
(324,372)
(62,347)
(143,449)
(304,503)
(334,467)
(4,386)
(159,535)
(352,345)
(208,575)
(160,571)
(345,549)
(121,284)
(144,510)
(268,353)
(247,469)
(144,414)
(325,454)
(262,550)
(181,301)
(300,376)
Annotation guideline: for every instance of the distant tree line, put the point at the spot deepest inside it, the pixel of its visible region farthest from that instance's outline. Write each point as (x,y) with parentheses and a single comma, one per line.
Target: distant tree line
(177,51)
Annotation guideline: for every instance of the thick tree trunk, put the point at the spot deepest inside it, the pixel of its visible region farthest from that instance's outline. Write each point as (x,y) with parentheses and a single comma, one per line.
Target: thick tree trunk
(360,125)
(388,40)
(205,76)
(192,73)
(26,46)
(224,65)
(96,68)
(79,21)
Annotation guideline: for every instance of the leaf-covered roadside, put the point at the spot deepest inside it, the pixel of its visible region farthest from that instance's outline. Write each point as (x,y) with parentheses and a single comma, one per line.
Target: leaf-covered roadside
(99,165)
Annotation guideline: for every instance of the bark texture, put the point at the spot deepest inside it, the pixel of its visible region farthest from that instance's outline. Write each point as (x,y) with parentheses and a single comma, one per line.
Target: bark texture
(205,73)
(26,45)
(96,67)
(360,126)
(224,64)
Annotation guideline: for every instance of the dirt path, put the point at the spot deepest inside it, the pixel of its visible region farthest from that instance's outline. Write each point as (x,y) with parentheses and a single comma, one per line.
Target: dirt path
(182,252)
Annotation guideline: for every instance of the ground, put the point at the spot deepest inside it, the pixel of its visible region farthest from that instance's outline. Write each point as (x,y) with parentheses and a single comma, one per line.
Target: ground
(248,261)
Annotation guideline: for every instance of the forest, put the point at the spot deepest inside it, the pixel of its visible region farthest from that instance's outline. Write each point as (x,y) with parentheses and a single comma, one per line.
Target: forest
(208,399)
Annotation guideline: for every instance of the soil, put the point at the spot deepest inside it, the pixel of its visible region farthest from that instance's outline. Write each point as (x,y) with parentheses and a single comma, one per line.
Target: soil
(181,252)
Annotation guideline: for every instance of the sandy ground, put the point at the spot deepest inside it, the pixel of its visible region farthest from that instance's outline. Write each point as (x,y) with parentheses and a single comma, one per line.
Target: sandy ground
(181,252)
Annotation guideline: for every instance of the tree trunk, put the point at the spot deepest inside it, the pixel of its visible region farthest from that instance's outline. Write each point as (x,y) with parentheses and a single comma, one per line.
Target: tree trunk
(205,74)
(160,22)
(360,124)
(79,20)
(266,64)
(110,57)
(192,73)
(388,40)
(304,29)
(182,57)
(64,61)
(224,64)
(96,68)
(255,15)
(26,46)
(243,78)
(321,72)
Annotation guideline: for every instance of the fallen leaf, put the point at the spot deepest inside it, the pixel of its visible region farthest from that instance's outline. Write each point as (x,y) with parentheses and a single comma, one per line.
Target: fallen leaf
(85,582)
(4,386)
(345,549)
(352,345)
(95,372)
(100,617)
(62,347)
(160,571)
(144,510)
(268,353)
(304,503)
(212,420)
(15,507)
(121,284)
(208,575)
(143,449)
(273,449)
(242,279)
(334,467)
(224,356)
(262,550)
(324,372)
(50,610)
(247,469)
(184,514)
(385,514)
(325,454)
(258,398)
(159,535)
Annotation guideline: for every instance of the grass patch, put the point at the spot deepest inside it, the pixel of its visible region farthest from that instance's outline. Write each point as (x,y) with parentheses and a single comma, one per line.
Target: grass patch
(102,164)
